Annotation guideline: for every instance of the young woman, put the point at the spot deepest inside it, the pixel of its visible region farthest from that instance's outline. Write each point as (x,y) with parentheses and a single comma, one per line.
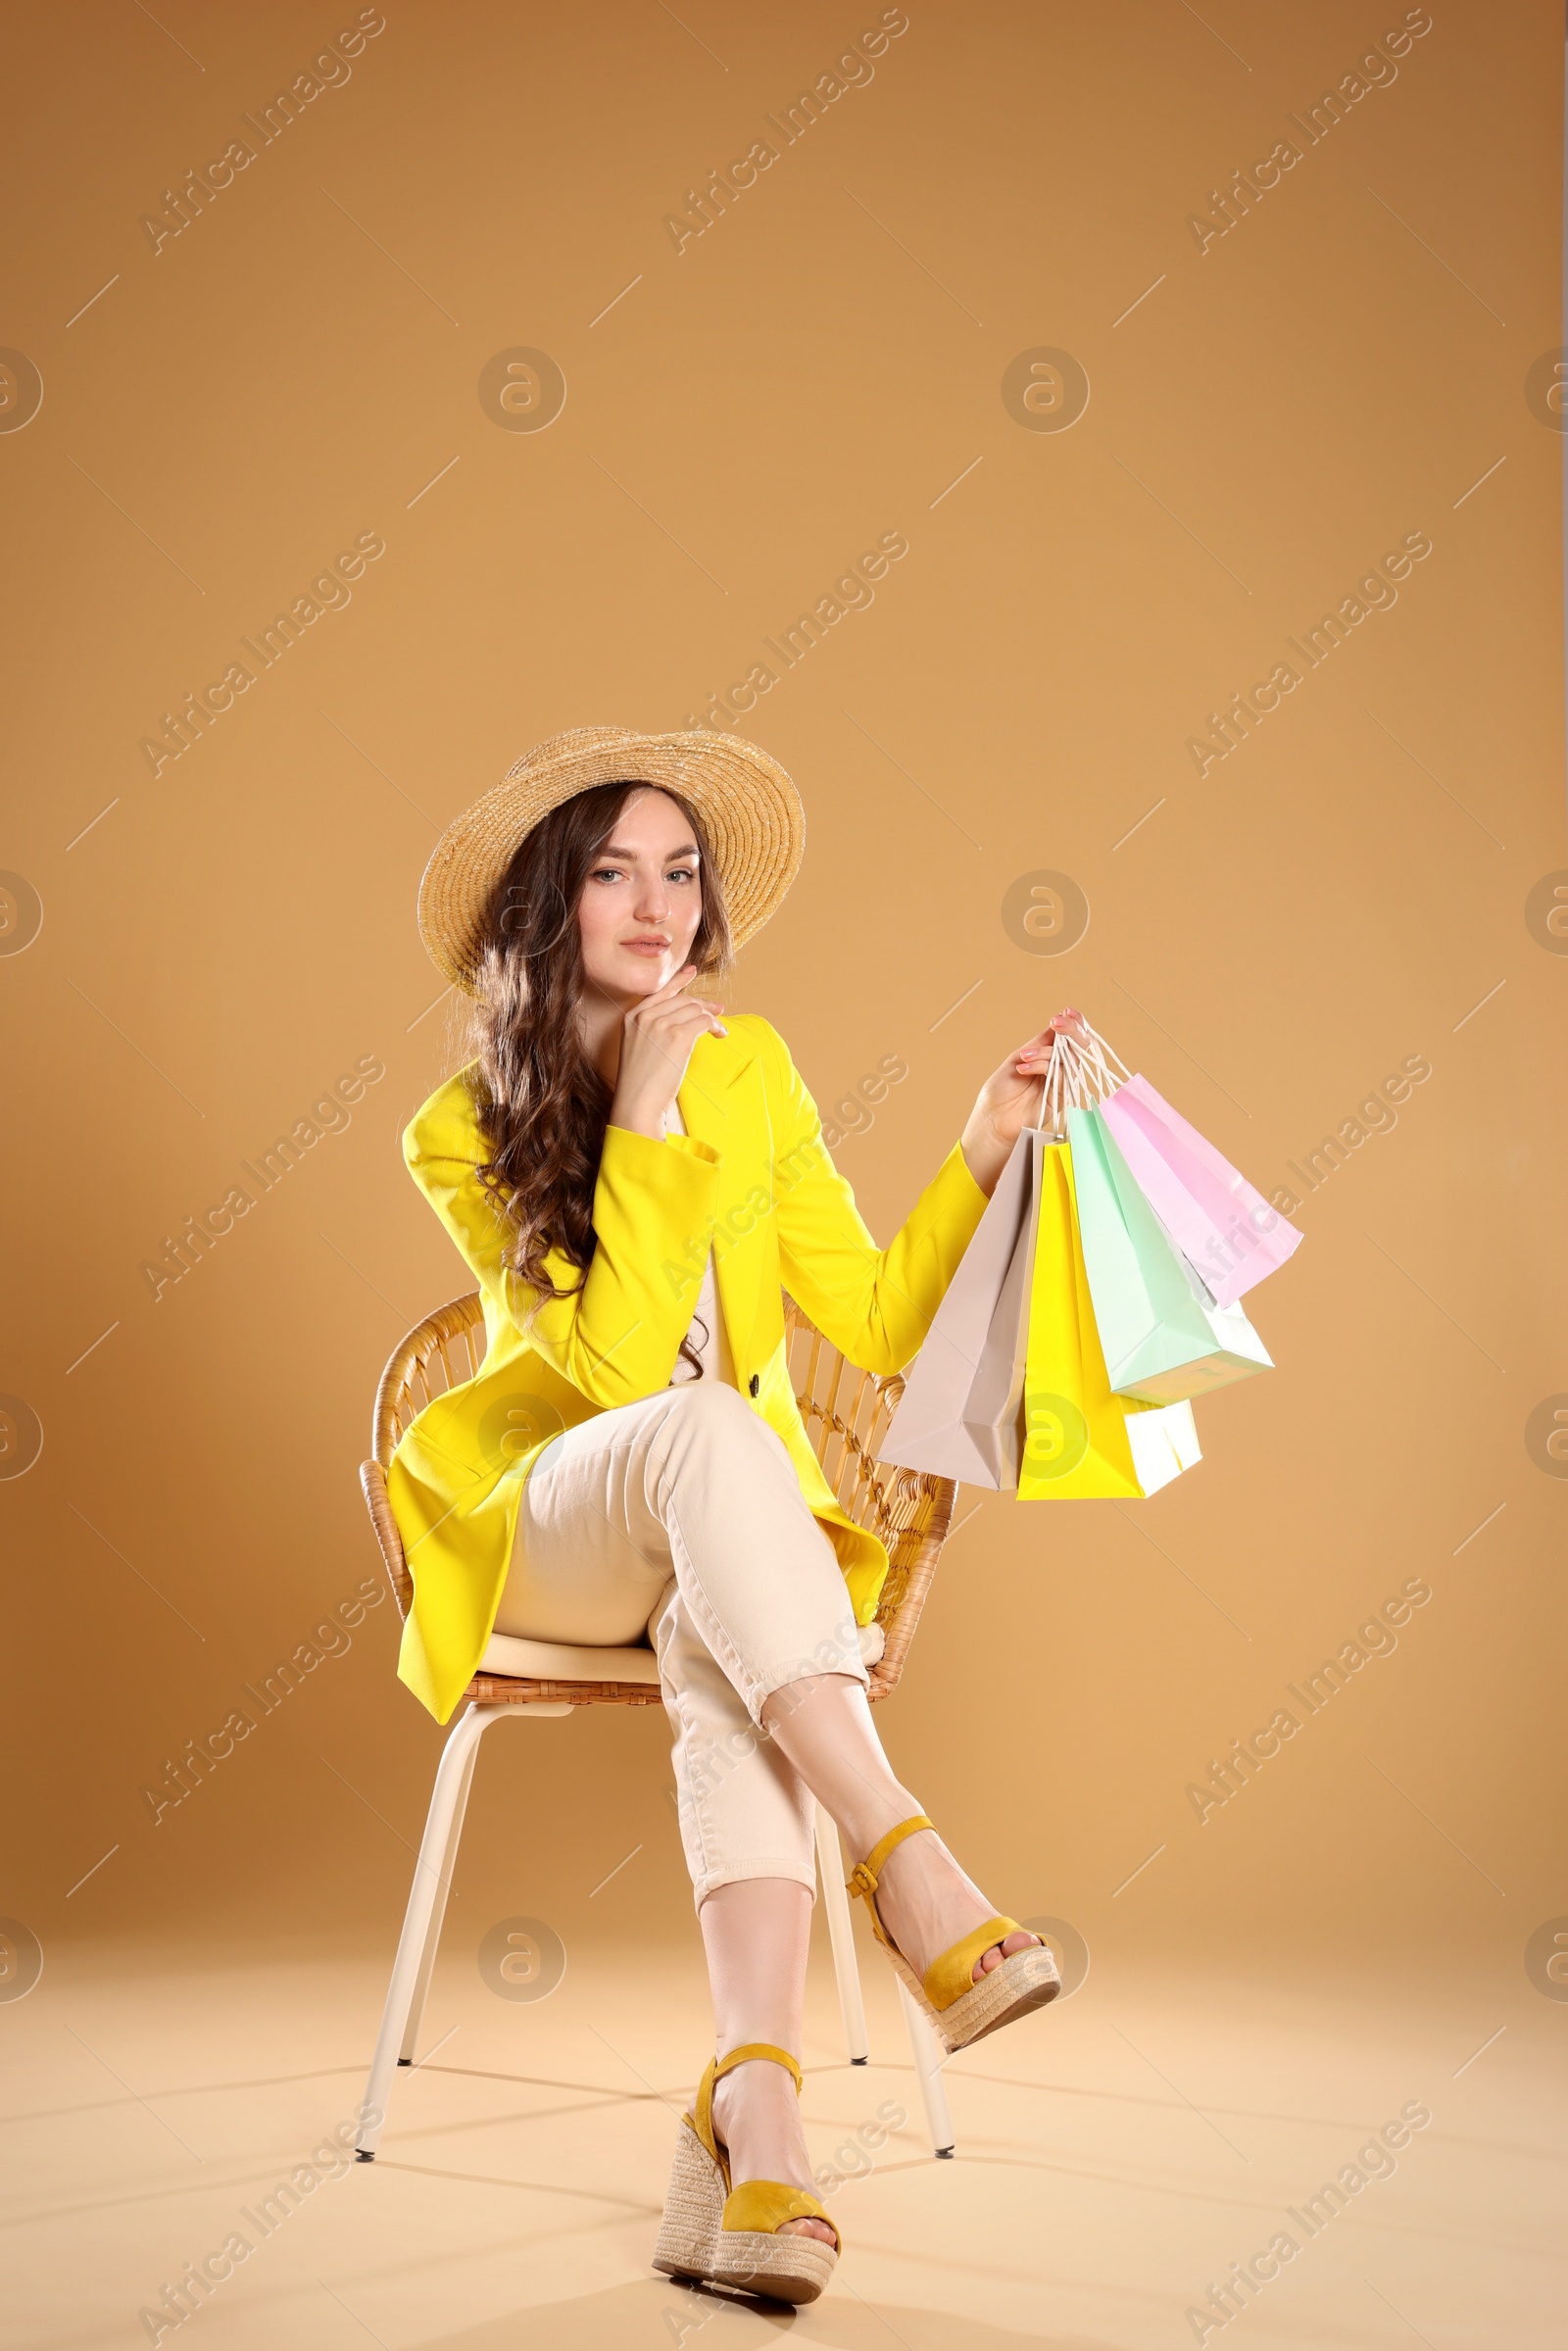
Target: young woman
(632,1176)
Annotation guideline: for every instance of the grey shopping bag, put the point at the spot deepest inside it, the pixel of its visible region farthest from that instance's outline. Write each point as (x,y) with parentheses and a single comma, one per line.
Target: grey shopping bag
(962,1412)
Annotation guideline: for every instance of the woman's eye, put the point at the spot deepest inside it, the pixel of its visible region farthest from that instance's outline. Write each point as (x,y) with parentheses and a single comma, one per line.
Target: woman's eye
(607,873)
(681,873)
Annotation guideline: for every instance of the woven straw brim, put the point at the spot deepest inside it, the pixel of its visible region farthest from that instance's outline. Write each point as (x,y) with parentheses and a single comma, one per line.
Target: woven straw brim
(752,812)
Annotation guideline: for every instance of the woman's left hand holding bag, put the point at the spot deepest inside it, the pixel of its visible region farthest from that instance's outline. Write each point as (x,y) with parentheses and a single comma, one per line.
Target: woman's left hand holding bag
(1008,1102)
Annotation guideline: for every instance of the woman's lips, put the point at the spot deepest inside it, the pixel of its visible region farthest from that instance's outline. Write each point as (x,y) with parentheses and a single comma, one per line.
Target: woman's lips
(646,946)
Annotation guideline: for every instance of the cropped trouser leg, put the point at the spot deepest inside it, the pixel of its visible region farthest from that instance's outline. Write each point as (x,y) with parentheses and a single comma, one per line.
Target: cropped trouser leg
(681,1515)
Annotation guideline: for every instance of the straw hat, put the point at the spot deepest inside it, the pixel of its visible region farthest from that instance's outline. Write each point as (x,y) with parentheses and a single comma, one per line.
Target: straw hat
(751,811)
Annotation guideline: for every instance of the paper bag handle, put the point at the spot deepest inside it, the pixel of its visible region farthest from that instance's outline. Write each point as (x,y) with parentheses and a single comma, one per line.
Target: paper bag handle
(1068,1084)
(1107,1065)
(1081,1073)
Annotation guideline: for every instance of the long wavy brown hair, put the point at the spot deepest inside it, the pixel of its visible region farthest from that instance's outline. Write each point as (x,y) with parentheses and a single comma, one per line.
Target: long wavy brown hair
(543,1107)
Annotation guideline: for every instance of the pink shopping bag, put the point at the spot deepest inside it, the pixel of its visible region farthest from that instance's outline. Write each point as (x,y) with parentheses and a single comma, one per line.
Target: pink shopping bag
(1225,1228)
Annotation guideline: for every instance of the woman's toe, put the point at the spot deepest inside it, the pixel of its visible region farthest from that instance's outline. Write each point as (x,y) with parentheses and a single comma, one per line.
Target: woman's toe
(816,2228)
(1021,1940)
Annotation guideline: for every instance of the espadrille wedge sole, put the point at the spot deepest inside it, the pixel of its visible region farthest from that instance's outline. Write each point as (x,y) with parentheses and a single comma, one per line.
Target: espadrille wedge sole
(729,2236)
(694,2242)
(959,2008)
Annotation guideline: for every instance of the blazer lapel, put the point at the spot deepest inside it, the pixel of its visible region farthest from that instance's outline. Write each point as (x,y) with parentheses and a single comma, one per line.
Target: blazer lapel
(713,1107)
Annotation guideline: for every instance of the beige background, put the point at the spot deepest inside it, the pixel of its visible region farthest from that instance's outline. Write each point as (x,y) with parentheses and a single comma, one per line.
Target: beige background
(823,364)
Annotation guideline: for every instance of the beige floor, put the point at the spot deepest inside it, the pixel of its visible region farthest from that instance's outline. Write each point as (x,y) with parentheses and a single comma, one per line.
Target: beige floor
(1118,2152)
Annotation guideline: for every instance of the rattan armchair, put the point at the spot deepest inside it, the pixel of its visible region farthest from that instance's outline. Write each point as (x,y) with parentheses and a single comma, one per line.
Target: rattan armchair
(846,1412)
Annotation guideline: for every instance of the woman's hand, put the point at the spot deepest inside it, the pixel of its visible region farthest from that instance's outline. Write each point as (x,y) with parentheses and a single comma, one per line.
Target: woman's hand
(1009,1100)
(657,1037)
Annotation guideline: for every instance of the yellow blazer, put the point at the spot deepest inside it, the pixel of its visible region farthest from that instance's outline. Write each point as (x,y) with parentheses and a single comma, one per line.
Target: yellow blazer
(750,1179)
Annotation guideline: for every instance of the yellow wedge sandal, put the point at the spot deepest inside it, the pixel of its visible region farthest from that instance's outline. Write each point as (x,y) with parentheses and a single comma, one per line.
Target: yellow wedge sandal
(961,2008)
(728,2235)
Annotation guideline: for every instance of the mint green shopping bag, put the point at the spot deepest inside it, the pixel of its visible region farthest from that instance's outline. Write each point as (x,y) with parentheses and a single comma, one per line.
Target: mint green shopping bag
(1163,1336)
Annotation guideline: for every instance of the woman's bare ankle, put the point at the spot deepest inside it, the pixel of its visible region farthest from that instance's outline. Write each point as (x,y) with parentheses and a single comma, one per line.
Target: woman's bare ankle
(929,1903)
(768,2140)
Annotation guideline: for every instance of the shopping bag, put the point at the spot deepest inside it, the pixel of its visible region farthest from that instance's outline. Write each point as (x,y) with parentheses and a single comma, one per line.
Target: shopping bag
(1164,1337)
(962,1408)
(1226,1231)
(1009,1388)
(1075,1432)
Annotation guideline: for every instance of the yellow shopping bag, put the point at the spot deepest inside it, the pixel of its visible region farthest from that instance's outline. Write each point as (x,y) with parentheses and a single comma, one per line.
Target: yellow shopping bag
(1075,1443)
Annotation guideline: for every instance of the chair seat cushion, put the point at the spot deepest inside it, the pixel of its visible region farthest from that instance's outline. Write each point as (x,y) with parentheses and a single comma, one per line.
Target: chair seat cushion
(560,1662)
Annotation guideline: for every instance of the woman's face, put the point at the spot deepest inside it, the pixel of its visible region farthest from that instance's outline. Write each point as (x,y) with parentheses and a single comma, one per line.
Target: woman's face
(642,903)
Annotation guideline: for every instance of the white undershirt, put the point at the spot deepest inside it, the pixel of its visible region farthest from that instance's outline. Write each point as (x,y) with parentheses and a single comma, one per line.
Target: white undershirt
(710,1338)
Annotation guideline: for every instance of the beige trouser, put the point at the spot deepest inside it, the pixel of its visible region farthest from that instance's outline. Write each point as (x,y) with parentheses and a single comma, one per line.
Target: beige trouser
(681,1515)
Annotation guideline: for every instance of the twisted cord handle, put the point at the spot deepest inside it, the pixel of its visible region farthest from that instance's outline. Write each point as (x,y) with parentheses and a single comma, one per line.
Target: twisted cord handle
(1084,1069)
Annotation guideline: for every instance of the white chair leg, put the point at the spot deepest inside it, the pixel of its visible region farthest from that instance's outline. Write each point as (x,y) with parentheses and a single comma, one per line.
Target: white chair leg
(927,2055)
(446,1868)
(841,1936)
(431,1877)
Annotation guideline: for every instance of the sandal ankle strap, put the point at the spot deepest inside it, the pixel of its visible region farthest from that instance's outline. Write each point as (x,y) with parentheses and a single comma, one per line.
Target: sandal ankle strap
(757,2048)
(862,1879)
(701,2114)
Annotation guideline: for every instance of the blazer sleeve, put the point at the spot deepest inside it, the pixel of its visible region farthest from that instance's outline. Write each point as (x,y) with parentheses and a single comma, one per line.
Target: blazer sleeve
(874,1304)
(618,1337)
